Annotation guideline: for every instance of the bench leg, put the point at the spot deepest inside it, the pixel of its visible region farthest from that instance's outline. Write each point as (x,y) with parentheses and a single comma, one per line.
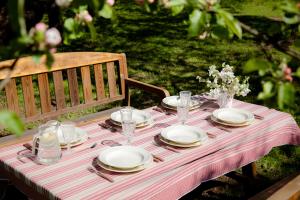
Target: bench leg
(250,170)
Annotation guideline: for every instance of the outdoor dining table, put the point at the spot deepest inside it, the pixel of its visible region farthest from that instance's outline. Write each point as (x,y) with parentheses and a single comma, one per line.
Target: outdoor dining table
(178,173)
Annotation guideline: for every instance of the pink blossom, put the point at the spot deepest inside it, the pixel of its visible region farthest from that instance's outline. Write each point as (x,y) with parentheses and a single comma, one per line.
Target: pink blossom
(287,70)
(53,50)
(41,27)
(151,1)
(53,37)
(110,2)
(87,18)
(288,78)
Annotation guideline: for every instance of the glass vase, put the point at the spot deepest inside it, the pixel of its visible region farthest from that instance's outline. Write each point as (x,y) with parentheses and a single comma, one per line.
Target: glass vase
(225,100)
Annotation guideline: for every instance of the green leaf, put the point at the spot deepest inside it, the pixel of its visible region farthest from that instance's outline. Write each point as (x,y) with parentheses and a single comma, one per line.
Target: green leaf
(267,91)
(36,58)
(49,60)
(177,3)
(12,122)
(219,32)
(177,9)
(16,16)
(92,30)
(291,20)
(197,22)
(232,24)
(254,64)
(286,95)
(69,24)
(106,11)
(297,73)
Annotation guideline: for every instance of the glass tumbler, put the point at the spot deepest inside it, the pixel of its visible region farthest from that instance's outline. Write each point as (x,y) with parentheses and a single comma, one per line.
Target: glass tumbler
(185,98)
(68,132)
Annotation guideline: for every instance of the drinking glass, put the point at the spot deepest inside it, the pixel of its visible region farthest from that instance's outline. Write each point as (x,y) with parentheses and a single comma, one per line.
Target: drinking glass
(126,114)
(128,128)
(182,113)
(68,132)
(128,125)
(185,98)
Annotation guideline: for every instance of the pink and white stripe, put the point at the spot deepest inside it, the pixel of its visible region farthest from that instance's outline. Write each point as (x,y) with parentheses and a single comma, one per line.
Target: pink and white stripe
(171,179)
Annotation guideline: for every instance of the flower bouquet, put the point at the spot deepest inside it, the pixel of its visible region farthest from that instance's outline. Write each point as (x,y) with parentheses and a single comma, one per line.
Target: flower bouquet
(224,85)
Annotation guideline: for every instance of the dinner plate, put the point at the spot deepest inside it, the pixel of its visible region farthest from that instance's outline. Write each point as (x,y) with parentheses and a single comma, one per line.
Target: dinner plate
(228,124)
(141,118)
(81,137)
(113,169)
(183,134)
(233,115)
(178,144)
(124,157)
(172,102)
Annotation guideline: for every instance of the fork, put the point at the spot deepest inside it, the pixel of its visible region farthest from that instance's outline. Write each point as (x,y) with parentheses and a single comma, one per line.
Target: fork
(93,170)
(161,110)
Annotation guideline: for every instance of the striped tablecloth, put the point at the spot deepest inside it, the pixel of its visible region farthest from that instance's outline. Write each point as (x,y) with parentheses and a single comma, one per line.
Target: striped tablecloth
(171,179)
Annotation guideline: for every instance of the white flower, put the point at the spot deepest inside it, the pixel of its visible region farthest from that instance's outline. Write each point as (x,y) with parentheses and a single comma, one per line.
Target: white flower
(110,2)
(53,37)
(225,81)
(63,3)
(84,17)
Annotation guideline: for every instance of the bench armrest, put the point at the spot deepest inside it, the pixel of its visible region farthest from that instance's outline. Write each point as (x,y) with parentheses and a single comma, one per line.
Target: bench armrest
(161,92)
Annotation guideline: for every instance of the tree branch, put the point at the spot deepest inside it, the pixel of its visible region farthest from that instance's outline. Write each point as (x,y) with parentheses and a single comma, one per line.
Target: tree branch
(279,45)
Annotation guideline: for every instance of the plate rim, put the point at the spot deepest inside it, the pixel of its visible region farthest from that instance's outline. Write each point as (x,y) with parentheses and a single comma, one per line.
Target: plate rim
(80,141)
(248,113)
(142,151)
(174,107)
(142,124)
(196,129)
(195,144)
(112,169)
(232,125)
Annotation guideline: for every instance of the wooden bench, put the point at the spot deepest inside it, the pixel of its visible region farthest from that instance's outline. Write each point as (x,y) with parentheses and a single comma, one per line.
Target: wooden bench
(103,77)
(286,189)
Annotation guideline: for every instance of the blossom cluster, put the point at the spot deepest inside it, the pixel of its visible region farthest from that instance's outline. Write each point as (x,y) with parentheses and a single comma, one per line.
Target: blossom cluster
(44,38)
(225,81)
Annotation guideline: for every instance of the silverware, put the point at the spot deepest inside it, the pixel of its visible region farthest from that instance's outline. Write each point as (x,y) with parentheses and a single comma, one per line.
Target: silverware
(93,170)
(107,126)
(157,158)
(162,110)
(211,135)
(90,147)
(256,116)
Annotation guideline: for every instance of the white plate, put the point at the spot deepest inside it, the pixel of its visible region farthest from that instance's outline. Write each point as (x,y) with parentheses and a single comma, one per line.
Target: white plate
(228,124)
(183,134)
(140,117)
(81,137)
(108,168)
(233,115)
(172,102)
(179,145)
(124,157)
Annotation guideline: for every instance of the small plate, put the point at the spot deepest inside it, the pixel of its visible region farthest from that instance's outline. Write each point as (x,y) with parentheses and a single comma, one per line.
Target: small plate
(177,144)
(112,169)
(233,115)
(172,102)
(81,137)
(141,118)
(228,124)
(124,157)
(183,134)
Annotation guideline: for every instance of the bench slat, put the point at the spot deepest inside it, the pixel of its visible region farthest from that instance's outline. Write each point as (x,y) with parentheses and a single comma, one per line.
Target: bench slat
(111,75)
(86,83)
(73,86)
(99,81)
(59,90)
(28,94)
(12,96)
(44,92)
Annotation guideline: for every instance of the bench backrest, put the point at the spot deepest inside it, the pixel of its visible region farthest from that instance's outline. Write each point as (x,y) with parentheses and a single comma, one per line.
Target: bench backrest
(102,73)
